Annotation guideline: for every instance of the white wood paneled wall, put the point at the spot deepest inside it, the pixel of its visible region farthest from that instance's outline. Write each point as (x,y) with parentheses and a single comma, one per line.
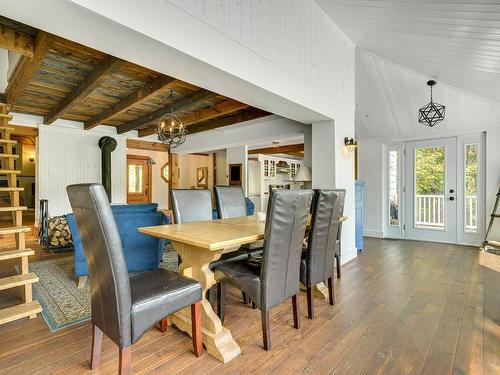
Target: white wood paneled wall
(388,96)
(294,34)
(72,156)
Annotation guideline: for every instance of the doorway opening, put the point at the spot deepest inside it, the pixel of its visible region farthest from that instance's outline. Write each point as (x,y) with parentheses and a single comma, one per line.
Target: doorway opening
(435,190)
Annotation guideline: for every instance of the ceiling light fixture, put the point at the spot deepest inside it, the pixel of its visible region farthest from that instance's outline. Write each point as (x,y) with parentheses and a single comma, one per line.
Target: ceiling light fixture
(170,129)
(432,113)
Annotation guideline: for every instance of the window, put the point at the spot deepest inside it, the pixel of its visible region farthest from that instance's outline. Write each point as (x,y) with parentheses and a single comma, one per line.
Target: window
(394,188)
(135,173)
(470,188)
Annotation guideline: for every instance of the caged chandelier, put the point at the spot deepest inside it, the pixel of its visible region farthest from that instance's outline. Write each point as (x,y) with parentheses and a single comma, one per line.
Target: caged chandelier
(170,129)
(432,113)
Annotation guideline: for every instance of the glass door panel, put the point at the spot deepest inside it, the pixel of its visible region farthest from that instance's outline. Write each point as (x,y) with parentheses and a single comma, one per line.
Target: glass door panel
(431,190)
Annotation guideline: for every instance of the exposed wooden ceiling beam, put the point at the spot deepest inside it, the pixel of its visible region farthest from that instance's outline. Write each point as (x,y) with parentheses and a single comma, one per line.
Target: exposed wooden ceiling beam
(286,149)
(13,40)
(177,106)
(221,109)
(101,73)
(226,121)
(146,145)
(26,67)
(151,88)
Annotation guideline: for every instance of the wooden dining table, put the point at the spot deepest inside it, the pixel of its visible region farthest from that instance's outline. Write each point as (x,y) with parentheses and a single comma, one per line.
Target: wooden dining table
(199,244)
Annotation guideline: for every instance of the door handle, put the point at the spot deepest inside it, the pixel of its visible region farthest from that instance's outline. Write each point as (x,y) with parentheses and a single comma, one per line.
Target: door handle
(451,198)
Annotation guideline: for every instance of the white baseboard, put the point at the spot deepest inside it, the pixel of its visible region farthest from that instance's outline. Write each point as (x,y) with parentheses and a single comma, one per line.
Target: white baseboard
(373,233)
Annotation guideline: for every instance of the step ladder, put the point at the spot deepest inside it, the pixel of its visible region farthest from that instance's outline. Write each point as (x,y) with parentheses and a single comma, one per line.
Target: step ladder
(487,243)
(25,279)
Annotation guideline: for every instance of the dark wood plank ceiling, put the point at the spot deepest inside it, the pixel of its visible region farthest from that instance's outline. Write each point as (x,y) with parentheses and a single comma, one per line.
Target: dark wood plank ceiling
(64,79)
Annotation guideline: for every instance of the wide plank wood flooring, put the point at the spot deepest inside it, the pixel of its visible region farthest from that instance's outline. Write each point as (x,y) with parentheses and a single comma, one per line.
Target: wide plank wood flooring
(403,307)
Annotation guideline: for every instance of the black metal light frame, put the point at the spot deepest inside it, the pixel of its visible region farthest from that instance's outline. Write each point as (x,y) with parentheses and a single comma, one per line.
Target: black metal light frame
(432,113)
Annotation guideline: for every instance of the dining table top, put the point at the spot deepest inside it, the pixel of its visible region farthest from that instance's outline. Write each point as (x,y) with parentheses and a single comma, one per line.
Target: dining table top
(213,235)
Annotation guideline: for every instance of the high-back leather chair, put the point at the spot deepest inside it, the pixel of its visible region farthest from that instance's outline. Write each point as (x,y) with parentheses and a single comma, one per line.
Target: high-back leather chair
(124,309)
(274,278)
(190,205)
(230,201)
(318,260)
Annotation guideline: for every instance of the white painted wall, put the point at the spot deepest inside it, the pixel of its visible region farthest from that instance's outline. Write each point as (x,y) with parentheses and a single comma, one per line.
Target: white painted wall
(159,185)
(71,156)
(188,168)
(492,170)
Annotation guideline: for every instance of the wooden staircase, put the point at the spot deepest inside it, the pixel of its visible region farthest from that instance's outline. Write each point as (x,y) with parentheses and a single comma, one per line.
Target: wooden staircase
(25,279)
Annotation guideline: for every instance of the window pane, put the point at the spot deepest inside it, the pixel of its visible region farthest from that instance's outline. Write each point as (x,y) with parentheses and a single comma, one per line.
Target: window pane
(470,204)
(394,188)
(429,187)
(135,178)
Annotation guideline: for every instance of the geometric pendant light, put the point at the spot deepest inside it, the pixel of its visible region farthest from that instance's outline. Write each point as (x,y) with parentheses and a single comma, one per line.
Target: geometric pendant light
(432,113)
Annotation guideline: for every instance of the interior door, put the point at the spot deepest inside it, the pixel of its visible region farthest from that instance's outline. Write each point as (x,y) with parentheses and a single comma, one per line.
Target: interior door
(431,186)
(138,179)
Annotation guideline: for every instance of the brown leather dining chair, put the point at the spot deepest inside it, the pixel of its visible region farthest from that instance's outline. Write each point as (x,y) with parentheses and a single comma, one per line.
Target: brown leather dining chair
(318,259)
(125,308)
(274,278)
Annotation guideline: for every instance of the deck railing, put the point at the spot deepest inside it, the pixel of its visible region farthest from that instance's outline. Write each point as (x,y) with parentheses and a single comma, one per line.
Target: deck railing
(429,211)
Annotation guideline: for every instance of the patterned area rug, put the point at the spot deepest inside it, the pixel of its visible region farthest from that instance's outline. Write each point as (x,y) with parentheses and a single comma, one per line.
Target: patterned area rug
(57,291)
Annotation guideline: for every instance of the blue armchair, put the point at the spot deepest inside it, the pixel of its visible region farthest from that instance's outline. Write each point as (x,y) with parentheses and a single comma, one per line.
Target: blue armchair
(142,252)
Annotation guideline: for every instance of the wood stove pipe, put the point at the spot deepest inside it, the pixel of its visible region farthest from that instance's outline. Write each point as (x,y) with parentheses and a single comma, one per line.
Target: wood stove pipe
(107,146)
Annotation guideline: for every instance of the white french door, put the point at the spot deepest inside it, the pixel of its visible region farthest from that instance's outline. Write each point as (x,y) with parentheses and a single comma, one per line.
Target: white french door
(431,190)
(435,190)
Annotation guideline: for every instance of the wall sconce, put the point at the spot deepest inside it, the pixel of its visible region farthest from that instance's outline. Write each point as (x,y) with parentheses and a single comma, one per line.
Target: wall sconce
(31,159)
(350,143)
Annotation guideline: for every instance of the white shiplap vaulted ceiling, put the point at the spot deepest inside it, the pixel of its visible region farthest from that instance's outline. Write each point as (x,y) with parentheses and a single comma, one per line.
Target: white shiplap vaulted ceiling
(453,41)
(388,96)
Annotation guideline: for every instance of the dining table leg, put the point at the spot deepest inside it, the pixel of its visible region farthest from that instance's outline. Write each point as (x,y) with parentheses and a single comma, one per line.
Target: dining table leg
(217,339)
(321,291)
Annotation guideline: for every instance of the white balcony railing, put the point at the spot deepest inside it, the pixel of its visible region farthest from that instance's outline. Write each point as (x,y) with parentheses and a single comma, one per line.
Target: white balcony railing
(429,211)
(470,213)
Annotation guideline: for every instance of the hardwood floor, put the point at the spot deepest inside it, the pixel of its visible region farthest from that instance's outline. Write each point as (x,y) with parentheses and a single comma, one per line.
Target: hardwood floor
(402,307)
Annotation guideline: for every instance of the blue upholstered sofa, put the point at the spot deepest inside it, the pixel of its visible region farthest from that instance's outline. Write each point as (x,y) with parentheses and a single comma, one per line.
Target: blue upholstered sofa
(142,252)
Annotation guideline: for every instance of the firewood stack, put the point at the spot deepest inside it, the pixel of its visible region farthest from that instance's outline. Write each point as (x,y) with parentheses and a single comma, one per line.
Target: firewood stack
(59,232)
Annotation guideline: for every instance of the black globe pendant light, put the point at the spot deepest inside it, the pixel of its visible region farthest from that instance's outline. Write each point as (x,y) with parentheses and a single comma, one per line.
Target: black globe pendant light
(433,112)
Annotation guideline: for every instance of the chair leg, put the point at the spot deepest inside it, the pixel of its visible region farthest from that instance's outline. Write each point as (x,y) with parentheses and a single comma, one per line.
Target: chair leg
(338,266)
(245,298)
(295,307)
(331,291)
(125,361)
(196,328)
(266,332)
(221,301)
(254,306)
(163,325)
(95,355)
(310,303)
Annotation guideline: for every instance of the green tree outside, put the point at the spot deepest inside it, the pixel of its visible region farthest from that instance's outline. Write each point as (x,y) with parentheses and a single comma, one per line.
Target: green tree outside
(430,170)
